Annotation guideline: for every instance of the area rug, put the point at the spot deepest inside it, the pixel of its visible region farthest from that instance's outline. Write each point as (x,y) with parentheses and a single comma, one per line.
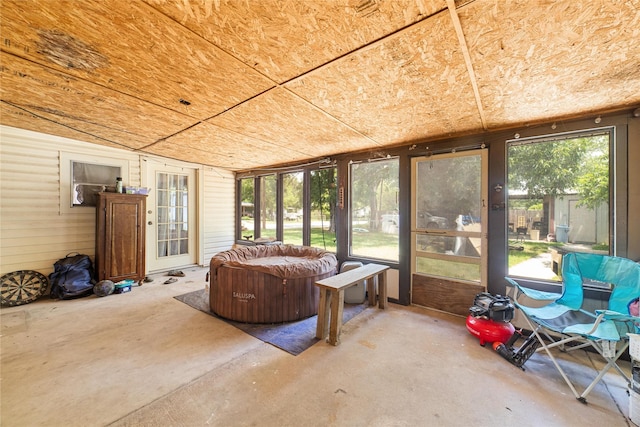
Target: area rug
(292,337)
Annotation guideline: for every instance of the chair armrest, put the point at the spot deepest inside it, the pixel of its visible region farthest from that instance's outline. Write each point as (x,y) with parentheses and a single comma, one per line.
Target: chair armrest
(619,317)
(633,321)
(532,293)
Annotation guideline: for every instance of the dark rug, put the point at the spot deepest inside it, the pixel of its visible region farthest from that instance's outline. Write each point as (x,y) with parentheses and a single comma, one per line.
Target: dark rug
(292,337)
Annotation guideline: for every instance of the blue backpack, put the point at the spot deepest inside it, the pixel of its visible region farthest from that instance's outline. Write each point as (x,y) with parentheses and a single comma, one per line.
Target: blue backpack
(72,277)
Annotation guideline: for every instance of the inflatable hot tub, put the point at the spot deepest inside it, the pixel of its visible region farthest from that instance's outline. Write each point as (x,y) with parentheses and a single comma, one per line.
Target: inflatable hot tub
(268,283)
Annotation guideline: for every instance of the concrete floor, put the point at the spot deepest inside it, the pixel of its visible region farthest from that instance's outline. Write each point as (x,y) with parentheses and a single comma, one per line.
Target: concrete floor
(146,359)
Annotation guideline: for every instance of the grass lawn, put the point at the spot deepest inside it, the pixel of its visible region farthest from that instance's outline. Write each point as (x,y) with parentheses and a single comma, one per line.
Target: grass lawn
(385,246)
(370,244)
(319,238)
(531,250)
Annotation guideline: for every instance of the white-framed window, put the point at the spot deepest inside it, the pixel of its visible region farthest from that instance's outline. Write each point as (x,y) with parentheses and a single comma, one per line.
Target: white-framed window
(82,176)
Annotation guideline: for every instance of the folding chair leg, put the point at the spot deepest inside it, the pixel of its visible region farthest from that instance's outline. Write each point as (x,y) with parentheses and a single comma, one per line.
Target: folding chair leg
(615,365)
(553,360)
(611,362)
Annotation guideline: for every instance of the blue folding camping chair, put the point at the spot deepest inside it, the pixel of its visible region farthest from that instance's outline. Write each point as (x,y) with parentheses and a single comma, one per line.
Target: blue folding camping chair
(566,324)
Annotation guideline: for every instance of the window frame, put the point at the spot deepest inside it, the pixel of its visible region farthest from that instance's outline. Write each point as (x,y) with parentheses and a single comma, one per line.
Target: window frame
(280,209)
(350,211)
(618,200)
(66,186)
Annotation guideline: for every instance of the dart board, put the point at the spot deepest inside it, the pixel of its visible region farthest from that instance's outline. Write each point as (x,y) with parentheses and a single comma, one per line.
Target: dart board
(22,287)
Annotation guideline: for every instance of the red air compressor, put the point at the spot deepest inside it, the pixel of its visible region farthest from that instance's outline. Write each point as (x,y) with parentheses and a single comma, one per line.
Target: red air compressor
(489,318)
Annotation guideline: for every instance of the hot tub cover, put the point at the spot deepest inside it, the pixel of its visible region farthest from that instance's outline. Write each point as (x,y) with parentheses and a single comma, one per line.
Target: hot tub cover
(284,261)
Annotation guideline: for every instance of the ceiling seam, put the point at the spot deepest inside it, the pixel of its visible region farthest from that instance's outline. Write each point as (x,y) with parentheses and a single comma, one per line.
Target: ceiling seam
(66,126)
(304,74)
(203,122)
(275,84)
(229,54)
(164,138)
(93,82)
(364,46)
(467,59)
(331,116)
(142,152)
(341,57)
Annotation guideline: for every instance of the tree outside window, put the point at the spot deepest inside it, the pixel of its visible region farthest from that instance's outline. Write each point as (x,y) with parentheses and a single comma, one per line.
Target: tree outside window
(268,186)
(293,207)
(375,217)
(323,209)
(247,198)
(558,201)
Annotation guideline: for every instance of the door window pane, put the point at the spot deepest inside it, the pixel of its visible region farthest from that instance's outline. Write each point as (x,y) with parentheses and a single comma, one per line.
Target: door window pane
(323,209)
(172,205)
(447,212)
(374,209)
(558,201)
(293,207)
(448,268)
(448,193)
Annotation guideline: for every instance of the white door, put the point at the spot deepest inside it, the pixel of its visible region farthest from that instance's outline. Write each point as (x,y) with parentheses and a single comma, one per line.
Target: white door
(171,217)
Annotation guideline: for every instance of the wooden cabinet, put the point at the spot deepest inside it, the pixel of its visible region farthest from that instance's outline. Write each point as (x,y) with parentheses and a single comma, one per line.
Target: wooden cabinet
(120,237)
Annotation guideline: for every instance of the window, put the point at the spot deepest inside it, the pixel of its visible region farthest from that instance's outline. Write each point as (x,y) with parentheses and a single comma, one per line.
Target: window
(291,194)
(559,196)
(323,209)
(374,209)
(247,197)
(268,189)
(83,176)
(293,207)
(89,179)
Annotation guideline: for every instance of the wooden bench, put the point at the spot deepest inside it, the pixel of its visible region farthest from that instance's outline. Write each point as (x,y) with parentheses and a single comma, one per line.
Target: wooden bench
(332,297)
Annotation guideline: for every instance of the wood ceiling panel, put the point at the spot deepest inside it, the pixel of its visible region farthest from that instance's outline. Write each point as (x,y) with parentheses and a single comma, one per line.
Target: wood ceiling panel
(130,47)
(204,156)
(286,38)
(409,86)
(215,146)
(51,124)
(557,60)
(274,82)
(290,123)
(90,108)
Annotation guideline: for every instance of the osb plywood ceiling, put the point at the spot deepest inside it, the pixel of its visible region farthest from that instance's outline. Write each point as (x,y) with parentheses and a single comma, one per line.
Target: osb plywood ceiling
(244,84)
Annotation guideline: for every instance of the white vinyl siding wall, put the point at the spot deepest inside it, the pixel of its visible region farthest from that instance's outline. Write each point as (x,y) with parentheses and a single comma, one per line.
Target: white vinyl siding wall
(219,212)
(35,232)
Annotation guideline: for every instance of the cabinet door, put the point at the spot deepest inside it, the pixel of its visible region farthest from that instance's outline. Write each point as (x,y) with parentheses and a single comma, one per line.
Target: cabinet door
(124,240)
